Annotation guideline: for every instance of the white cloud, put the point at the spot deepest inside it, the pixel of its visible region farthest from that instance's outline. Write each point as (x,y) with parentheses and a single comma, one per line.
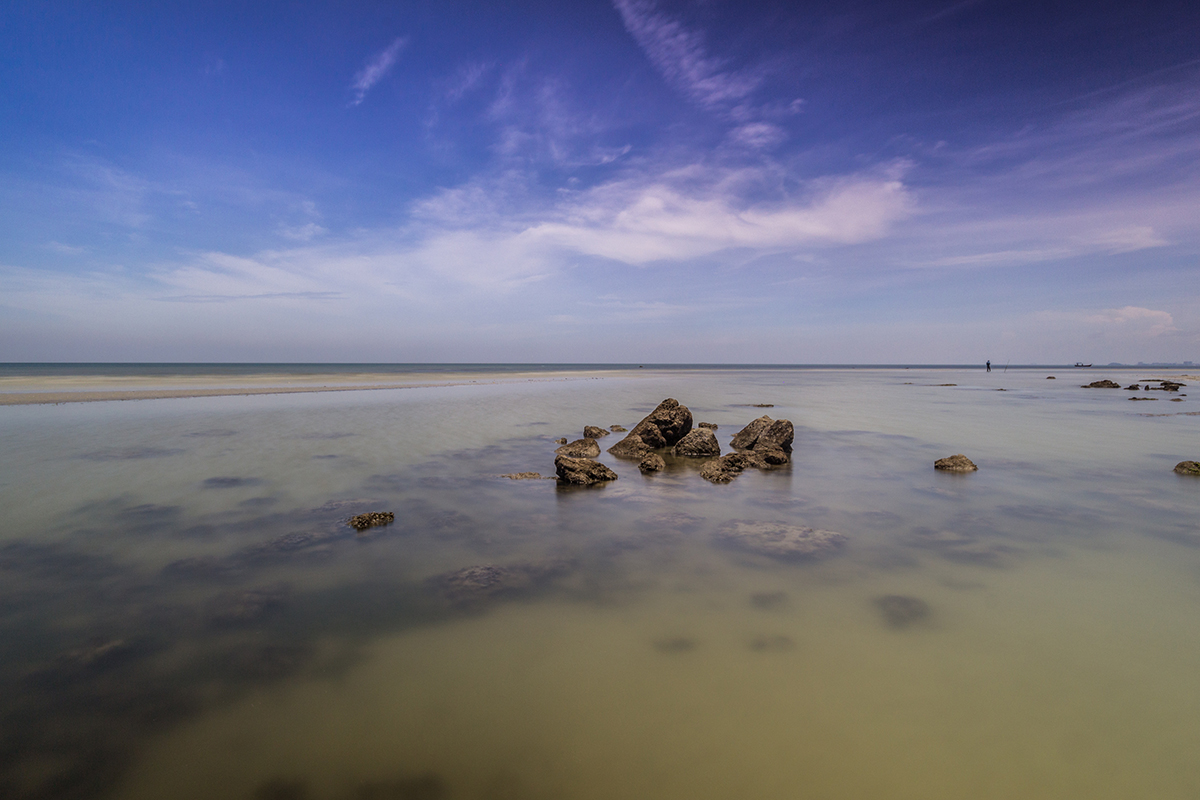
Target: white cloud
(680,55)
(375,69)
(1148,321)
(758,135)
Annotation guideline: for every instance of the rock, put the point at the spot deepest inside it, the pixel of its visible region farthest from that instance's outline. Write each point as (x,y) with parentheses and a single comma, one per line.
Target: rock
(371,519)
(778,436)
(616,429)
(762,405)
(1143,398)
(1050,378)
(563,440)
(652,463)
(712,426)
(581,471)
(525,476)
(477,583)
(592,432)
(1132,388)
(955,463)
(631,446)
(901,611)
(699,443)
(728,467)
(1105,384)
(747,436)
(580,448)
(662,427)
(781,539)
(1188,468)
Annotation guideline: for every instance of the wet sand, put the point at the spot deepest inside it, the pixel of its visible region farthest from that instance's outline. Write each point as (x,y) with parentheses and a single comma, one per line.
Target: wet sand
(92,389)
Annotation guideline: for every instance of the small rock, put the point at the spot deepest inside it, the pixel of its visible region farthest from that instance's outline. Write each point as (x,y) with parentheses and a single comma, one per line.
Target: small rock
(1132,388)
(781,539)
(563,440)
(630,447)
(901,611)
(372,519)
(524,476)
(955,463)
(580,448)
(699,443)
(616,429)
(712,426)
(592,432)
(1105,384)
(1143,398)
(581,471)
(728,467)
(652,463)
(1050,377)
(1188,468)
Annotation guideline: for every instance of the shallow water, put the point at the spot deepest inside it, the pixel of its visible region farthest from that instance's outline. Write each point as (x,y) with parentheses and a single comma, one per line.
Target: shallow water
(184,613)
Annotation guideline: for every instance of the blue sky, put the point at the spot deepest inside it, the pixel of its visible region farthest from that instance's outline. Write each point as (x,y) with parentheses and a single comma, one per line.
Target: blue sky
(589,181)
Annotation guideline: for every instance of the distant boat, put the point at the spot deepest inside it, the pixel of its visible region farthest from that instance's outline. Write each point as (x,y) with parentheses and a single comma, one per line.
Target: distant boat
(1081,364)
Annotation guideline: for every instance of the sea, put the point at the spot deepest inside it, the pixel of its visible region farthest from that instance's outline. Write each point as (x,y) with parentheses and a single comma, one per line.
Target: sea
(185,612)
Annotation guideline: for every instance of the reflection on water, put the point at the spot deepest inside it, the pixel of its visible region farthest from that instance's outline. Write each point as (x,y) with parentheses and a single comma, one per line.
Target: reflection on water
(185,612)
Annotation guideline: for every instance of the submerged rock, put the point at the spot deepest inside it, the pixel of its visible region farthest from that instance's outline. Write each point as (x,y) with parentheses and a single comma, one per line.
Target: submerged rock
(662,427)
(652,463)
(675,644)
(699,443)
(484,581)
(371,519)
(728,467)
(1143,398)
(525,476)
(712,426)
(580,448)
(955,463)
(562,440)
(616,429)
(781,539)
(901,611)
(592,432)
(1133,387)
(581,471)
(1105,384)
(1188,468)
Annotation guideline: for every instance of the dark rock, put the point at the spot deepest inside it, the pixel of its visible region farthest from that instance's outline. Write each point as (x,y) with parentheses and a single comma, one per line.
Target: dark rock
(563,440)
(955,463)
(781,539)
(1050,377)
(524,476)
(652,463)
(581,471)
(778,436)
(777,643)
(361,522)
(762,405)
(1188,468)
(616,429)
(1143,398)
(901,611)
(712,426)
(1105,384)
(580,448)
(747,436)
(728,467)
(630,447)
(699,443)
(592,432)
(675,644)
(662,427)
(1132,388)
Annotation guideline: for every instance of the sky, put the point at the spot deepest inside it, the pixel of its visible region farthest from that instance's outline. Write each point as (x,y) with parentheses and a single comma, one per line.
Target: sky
(577,181)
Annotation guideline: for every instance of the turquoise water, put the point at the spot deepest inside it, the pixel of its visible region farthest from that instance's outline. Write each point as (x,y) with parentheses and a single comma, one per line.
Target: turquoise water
(185,614)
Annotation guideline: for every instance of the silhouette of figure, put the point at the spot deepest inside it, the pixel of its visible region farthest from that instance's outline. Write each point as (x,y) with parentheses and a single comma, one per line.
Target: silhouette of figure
(989,366)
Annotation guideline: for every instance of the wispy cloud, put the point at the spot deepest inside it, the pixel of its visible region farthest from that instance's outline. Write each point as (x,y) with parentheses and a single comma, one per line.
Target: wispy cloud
(378,66)
(681,56)
(1151,322)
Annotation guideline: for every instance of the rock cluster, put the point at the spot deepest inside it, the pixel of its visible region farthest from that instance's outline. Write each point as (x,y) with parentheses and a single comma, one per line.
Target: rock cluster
(1105,384)
(763,444)
(581,471)
(780,539)
(662,427)
(1188,468)
(361,522)
(580,448)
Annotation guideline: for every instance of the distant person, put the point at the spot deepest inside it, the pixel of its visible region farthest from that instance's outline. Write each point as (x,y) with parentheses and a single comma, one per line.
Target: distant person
(989,366)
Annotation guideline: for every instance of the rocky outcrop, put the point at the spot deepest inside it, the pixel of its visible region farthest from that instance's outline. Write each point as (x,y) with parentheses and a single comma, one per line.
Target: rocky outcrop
(712,426)
(955,463)
(580,448)
(1105,384)
(1188,468)
(592,432)
(652,463)
(780,539)
(581,471)
(699,443)
(662,427)
(370,520)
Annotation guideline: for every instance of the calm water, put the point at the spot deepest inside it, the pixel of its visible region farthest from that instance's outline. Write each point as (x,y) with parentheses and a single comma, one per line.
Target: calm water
(183,612)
